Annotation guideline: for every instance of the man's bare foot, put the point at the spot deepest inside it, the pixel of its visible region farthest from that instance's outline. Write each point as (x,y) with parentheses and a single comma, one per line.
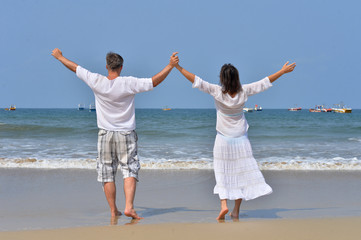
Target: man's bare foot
(131,213)
(222,214)
(116,213)
(114,220)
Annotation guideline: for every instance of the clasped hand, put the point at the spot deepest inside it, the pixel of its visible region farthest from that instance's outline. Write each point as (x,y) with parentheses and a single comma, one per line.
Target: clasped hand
(174,60)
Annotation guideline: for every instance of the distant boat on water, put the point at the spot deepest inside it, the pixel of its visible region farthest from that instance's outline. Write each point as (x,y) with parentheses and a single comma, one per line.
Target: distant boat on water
(247,109)
(11,108)
(320,108)
(341,108)
(81,106)
(257,108)
(166,108)
(92,108)
(295,108)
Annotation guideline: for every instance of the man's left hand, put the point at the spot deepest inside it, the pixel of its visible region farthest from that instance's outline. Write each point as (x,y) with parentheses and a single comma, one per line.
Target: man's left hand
(57,53)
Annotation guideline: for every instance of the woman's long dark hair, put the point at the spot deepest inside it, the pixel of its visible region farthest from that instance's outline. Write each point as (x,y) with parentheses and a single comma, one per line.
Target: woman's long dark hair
(229,79)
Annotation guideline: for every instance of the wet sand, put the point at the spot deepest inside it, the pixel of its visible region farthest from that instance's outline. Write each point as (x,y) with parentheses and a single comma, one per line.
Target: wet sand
(50,199)
(339,228)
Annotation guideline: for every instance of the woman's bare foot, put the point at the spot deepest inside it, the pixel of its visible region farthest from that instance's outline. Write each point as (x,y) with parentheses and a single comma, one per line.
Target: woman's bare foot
(234,215)
(235,212)
(222,213)
(131,213)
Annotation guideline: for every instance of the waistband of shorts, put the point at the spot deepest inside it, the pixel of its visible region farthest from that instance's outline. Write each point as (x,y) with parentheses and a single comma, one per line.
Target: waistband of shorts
(120,132)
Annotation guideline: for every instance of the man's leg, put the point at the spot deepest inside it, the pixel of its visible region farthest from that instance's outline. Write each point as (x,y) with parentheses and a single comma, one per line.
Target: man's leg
(111,194)
(130,184)
(128,156)
(107,166)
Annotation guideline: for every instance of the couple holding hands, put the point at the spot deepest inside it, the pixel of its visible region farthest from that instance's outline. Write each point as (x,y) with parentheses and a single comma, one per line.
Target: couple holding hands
(236,171)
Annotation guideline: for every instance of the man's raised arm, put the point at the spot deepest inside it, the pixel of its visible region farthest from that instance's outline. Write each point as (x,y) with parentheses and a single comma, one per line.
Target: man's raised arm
(67,63)
(159,77)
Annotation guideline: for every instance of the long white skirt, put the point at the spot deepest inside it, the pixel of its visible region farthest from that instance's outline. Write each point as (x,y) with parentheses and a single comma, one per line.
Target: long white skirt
(236,170)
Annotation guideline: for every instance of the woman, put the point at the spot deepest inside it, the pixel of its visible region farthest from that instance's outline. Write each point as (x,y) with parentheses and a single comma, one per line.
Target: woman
(237,174)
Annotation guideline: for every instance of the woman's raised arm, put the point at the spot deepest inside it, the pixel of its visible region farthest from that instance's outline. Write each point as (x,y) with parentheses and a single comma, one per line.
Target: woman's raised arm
(186,74)
(202,85)
(285,69)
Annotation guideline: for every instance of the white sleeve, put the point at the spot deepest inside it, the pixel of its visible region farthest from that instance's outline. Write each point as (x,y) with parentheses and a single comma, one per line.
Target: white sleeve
(257,87)
(88,77)
(212,89)
(138,85)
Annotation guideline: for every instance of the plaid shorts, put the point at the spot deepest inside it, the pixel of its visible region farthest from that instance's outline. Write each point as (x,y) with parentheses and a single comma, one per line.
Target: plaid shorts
(117,148)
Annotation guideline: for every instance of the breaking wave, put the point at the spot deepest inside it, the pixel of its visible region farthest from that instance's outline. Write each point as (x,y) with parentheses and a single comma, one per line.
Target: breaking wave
(297,163)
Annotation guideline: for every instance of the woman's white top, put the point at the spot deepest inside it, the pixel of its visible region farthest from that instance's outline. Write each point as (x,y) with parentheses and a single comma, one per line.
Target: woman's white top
(231,121)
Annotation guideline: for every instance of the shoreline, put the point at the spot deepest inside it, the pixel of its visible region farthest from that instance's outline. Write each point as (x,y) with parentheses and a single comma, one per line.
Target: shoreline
(90,164)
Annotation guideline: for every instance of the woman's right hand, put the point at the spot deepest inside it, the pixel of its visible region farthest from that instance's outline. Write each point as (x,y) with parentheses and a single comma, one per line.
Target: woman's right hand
(174,60)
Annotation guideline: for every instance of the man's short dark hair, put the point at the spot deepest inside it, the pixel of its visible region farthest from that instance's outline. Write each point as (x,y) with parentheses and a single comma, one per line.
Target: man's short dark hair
(114,61)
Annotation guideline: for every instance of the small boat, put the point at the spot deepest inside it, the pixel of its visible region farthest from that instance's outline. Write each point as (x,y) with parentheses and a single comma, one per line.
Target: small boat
(341,108)
(314,109)
(320,108)
(257,108)
(295,109)
(92,108)
(81,106)
(247,109)
(166,108)
(11,108)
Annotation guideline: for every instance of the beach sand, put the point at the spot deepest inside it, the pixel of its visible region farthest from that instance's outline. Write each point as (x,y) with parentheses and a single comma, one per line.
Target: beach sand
(178,203)
(318,229)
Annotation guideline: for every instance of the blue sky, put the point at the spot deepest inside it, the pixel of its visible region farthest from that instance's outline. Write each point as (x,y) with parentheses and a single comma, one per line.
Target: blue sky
(258,36)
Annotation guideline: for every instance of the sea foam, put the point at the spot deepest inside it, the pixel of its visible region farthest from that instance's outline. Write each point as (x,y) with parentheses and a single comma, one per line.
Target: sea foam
(273,163)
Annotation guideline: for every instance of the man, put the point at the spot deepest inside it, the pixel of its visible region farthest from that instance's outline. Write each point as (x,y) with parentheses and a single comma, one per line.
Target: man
(117,139)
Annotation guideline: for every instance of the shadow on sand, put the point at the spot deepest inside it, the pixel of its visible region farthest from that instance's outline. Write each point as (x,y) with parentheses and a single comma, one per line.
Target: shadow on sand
(272,213)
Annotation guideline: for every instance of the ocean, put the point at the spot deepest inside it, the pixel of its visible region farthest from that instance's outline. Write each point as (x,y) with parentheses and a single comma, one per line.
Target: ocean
(182,139)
